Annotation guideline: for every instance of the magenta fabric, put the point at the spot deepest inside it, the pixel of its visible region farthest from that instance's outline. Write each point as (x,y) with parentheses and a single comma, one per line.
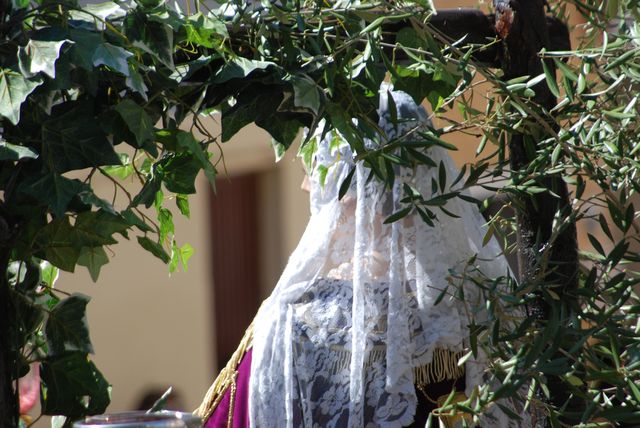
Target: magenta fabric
(218,418)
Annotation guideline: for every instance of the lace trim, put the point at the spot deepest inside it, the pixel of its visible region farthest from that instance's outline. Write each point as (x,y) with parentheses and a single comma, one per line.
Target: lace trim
(443,366)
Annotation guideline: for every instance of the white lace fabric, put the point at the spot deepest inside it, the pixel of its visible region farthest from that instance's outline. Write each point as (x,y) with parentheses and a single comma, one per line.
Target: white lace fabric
(355,310)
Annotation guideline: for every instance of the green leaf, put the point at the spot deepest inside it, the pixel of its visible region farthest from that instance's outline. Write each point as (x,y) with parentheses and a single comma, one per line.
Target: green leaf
(66,327)
(346,184)
(179,172)
(14,90)
(201,30)
(85,45)
(154,248)
(442,176)
(96,228)
(73,386)
(93,258)
(187,141)
(137,120)
(279,149)
(88,197)
(135,82)
(112,56)
(165,218)
(56,241)
(240,68)
(136,221)
(306,94)
(182,201)
(596,244)
(185,253)
(551,79)
(155,38)
(40,56)
(398,215)
(49,273)
(122,171)
(306,152)
(74,140)
(55,191)
(102,11)
(148,192)
(15,152)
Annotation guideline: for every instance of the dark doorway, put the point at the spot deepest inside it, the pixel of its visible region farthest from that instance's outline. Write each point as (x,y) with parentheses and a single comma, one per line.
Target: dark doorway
(235,264)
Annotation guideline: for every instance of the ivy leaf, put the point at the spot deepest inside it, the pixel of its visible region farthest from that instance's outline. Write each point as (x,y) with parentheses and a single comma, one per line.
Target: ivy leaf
(259,104)
(184,71)
(40,56)
(155,38)
(138,121)
(283,130)
(74,140)
(201,30)
(135,82)
(102,11)
(14,90)
(96,228)
(93,258)
(90,198)
(61,243)
(72,385)
(112,56)
(180,255)
(66,327)
(240,68)
(165,218)
(179,172)
(148,192)
(182,201)
(55,240)
(187,141)
(15,152)
(56,191)
(85,45)
(154,248)
(306,93)
(133,219)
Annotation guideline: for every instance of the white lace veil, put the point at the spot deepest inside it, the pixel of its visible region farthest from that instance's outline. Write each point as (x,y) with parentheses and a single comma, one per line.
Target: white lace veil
(355,311)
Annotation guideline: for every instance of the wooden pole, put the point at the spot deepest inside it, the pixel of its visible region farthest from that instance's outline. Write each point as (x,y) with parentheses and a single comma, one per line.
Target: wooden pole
(522,27)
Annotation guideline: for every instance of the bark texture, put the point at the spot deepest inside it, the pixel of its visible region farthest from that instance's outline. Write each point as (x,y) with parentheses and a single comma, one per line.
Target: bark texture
(522,24)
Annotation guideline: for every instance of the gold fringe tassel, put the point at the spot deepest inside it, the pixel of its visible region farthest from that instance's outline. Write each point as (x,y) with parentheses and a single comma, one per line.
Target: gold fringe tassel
(226,379)
(443,366)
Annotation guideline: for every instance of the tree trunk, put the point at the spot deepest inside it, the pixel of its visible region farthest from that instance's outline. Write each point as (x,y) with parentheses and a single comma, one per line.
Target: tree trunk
(522,26)
(9,411)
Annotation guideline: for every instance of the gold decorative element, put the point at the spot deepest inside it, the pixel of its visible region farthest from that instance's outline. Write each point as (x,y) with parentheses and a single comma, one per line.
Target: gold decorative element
(443,366)
(226,379)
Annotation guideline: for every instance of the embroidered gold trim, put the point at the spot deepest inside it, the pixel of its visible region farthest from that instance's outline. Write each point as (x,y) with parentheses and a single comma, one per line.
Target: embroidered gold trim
(226,379)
